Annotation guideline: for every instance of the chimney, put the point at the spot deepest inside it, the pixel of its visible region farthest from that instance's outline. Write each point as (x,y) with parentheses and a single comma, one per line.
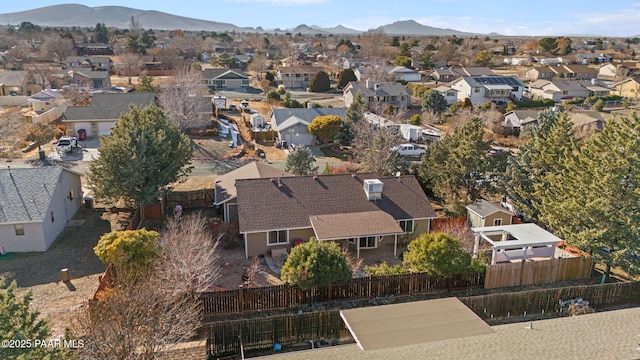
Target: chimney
(368,83)
(376,86)
(309,105)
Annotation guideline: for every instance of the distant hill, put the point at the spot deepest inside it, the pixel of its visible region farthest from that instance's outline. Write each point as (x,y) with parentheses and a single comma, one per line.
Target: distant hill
(68,15)
(112,16)
(411,27)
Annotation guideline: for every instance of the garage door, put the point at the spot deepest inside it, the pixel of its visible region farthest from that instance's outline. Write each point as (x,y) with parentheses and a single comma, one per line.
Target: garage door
(81,125)
(104,128)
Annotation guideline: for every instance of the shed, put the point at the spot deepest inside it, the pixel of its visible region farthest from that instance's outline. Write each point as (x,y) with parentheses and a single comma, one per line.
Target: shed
(257,120)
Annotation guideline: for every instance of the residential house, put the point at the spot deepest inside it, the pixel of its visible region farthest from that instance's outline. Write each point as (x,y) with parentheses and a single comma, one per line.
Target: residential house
(296,76)
(401,73)
(539,73)
(520,118)
(87,79)
(35,206)
(619,71)
(482,213)
(629,88)
(291,124)
(575,71)
(93,49)
(225,194)
(359,211)
(480,89)
(224,79)
(585,122)
(591,58)
(558,90)
(451,95)
(86,63)
(443,75)
(241,61)
(46,106)
(378,94)
(104,111)
(13,83)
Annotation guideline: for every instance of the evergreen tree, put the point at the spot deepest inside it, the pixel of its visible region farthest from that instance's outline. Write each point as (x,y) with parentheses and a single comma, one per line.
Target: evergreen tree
(144,154)
(456,168)
(320,82)
(325,127)
(345,76)
(434,101)
(100,34)
(537,169)
(596,203)
(354,115)
(145,84)
(300,161)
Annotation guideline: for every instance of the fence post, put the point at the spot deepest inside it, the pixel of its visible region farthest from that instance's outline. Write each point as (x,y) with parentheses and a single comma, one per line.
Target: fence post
(369,288)
(240,300)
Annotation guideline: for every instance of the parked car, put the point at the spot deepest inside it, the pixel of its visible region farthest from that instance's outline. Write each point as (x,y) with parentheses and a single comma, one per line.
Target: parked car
(409,150)
(67,144)
(232,107)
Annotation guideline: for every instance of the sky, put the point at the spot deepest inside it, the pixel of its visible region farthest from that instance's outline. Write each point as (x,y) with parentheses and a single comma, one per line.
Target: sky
(613,18)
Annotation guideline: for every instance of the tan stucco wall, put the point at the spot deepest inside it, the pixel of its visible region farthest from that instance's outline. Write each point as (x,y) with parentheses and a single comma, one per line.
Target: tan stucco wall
(256,244)
(302,234)
(506,219)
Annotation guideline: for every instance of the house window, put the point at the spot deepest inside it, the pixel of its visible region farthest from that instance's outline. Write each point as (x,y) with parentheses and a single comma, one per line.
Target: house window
(367,242)
(245,82)
(52,217)
(497,222)
(19,228)
(566,92)
(406,225)
(476,90)
(277,237)
(72,195)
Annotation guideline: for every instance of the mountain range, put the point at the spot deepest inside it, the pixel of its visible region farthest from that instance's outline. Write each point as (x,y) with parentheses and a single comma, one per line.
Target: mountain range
(68,15)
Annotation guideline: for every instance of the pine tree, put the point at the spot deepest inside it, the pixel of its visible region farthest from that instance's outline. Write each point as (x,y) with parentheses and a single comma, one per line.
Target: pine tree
(300,161)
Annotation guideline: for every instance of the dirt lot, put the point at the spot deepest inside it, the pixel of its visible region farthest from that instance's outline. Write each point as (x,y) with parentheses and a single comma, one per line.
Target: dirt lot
(40,272)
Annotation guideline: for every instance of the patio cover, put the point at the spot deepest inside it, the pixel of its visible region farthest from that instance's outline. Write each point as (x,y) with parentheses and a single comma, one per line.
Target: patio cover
(525,234)
(352,225)
(412,323)
(499,87)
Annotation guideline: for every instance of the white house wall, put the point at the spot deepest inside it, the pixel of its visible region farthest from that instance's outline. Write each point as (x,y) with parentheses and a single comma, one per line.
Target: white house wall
(63,208)
(32,240)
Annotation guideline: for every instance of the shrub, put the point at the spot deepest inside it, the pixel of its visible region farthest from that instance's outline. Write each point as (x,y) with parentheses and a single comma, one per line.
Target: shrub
(437,254)
(131,252)
(385,269)
(320,82)
(315,263)
(415,120)
(272,94)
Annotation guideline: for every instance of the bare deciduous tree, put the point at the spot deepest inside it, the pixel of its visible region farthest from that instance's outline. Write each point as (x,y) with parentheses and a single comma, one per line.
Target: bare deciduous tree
(130,65)
(182,98)
(57,47)
(188,261)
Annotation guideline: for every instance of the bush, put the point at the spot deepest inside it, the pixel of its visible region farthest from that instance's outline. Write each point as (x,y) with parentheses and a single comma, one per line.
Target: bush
(486,105)
(415,120)
(320,82)
(438,254)
(385,269)
(272,94)
(418,90)
(315,263)
(131,252)
(281,90)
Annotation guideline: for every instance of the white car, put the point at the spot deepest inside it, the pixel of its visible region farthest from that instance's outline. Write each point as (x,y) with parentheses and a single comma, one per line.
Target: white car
(409,150)
(67,144)
(244,105)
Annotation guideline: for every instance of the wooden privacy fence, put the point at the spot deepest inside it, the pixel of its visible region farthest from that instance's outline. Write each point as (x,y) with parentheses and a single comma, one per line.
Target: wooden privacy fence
(285,296)
(188,199)
(546,301)
(537,272)
(223,338)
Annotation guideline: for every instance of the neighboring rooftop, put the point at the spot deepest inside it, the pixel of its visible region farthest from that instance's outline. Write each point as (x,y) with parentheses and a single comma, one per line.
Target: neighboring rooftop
(225,185)
(485,208)
(108,106)
(25,193)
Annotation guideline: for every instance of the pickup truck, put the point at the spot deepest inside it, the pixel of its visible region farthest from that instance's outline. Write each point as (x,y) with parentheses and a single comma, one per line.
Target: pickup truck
(409,150)
(67,144)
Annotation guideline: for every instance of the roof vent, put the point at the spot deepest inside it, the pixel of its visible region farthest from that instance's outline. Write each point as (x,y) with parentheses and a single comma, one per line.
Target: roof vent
(373,189)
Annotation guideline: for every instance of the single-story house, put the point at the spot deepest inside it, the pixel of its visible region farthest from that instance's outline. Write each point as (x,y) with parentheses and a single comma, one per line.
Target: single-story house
(473,71)
(87,63)
(540,73)
(35,206)
(443,75)
(45,100)
(14,83)
(483,213)
(225,193)
(378,94)
(223,79)
(104,111)
(520,118)
(629,88)
(519,243)
(88,79)
(577,71)
(451,95)
(589,120)
(480,89)
(291,124)
(401,73)
(359,211)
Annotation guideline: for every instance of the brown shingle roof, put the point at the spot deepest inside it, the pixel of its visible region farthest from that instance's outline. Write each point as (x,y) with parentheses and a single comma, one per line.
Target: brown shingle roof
(225,185)
(351,225)
(264,205)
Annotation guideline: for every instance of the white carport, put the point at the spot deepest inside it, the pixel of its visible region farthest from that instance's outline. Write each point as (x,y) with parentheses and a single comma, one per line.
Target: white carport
(516,243)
